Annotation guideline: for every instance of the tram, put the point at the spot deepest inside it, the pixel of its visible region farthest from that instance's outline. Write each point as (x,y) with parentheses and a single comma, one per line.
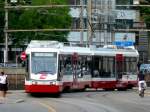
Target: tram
(42,67)
(53,67)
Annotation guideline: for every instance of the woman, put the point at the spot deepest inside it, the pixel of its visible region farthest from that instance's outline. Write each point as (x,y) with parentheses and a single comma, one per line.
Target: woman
(3,84)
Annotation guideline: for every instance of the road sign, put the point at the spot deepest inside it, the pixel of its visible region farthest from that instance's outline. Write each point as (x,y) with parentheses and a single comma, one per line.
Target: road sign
(23,56)
(124,43)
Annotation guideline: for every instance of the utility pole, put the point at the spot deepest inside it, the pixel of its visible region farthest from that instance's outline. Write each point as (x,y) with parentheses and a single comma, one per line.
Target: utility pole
(149,49)
(106,23)
(6,34)
(89,13)
(81,22)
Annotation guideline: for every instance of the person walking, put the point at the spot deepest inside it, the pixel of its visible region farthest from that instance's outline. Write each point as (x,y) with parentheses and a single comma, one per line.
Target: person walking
(141,80)
(139,65)
(3,86)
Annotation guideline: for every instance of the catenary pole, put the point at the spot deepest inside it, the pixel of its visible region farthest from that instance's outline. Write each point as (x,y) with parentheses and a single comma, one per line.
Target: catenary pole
(6,35)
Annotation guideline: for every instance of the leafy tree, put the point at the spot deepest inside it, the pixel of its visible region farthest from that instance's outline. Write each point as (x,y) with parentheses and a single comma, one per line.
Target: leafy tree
(1,21)
(41,18)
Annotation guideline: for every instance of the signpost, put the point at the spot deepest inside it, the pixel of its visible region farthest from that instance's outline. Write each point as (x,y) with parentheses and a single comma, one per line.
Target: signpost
(23,56)
(124,43)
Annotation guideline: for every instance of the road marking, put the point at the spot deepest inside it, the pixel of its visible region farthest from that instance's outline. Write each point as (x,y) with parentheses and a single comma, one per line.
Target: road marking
(50,108)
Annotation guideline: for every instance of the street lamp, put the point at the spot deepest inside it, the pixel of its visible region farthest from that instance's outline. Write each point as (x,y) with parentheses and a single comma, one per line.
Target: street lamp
(6,35)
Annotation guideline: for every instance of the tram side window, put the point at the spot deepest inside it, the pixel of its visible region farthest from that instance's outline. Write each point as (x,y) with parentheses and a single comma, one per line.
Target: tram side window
(96,66)
(103,67)
(134,65)
(130,65)
(67,65)
(84,66)
(107,67)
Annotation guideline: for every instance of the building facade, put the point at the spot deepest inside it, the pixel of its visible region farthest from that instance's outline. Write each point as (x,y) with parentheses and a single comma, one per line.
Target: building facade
(106,17)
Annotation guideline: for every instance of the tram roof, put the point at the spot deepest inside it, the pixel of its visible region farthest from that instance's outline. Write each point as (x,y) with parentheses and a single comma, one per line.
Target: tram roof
(78,50)
(43,46)
(113,52)
(55,46)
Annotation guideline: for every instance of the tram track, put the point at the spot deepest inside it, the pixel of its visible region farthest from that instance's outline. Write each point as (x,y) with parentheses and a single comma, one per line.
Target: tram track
(93,102)
(84,105)
(121,101)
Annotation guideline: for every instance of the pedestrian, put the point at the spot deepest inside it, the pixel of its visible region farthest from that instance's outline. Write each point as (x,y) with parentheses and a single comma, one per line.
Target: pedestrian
(139,65)
(3,86)
(141,79)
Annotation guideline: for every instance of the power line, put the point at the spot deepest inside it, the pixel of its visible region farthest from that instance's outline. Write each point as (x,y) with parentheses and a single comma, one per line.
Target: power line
(134,5)
(41,6)
(54,6)
(133,30)
(63,30)
(41,30)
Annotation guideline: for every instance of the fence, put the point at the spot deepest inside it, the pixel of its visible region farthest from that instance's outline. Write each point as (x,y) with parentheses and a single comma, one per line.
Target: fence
(15,77)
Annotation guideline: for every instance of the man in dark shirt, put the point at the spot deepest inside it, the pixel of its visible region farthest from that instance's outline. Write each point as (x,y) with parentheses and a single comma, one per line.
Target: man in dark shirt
(141,79)
(138,65)
(141,76)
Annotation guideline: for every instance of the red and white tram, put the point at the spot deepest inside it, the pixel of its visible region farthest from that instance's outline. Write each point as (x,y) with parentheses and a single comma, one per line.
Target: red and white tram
(53,67)
(42,67)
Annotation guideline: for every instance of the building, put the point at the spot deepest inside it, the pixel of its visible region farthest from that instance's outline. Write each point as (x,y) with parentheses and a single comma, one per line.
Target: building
(101,19)
(106,17)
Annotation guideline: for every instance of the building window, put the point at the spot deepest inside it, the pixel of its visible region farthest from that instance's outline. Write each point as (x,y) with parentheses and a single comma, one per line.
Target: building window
(84,2)
(75,23)
(124,24)
(124,2)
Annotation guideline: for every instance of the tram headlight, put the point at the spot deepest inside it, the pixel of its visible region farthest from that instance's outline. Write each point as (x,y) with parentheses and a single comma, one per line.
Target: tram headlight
(52,83)
(34,82)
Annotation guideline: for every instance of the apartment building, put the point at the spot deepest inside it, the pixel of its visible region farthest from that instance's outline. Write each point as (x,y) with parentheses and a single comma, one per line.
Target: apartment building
(130,19)
(101,19)
(106,17)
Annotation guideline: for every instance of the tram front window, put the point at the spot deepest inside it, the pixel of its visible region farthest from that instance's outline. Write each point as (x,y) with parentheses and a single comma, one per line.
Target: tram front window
(44,63)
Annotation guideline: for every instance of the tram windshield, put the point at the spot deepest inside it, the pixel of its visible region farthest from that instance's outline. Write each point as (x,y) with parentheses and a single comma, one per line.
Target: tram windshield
(43,62)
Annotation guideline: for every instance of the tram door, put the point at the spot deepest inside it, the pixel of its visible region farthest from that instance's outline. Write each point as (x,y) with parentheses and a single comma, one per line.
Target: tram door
(119,65)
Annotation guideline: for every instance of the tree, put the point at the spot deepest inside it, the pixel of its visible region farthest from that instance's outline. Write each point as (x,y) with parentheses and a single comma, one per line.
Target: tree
(1,21)
(41,18)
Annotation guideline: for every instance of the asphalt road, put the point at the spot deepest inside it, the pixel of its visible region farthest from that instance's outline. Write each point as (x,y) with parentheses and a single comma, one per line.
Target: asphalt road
(89,101)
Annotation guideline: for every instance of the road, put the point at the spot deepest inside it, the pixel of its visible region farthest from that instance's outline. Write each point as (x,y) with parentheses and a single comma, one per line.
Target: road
(89,101)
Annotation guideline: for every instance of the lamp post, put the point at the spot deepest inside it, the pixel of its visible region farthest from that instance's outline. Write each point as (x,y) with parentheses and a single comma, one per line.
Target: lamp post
(6,35)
